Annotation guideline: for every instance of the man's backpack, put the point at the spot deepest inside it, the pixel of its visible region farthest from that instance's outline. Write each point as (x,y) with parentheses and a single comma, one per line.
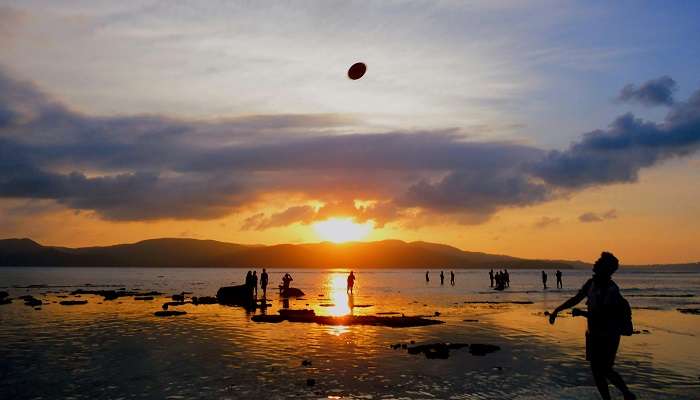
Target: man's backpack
(626,327)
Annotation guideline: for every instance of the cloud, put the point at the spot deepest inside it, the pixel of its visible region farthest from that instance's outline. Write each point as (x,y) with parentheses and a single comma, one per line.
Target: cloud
(617,154)
(545,221)
(148,167)
(597,217)
(654,92)
(378,212)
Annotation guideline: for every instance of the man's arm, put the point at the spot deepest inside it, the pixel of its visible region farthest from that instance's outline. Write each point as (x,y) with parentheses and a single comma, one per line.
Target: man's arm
(567,304)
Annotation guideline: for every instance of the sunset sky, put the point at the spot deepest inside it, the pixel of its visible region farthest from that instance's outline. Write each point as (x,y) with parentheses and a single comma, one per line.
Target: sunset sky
(549,129)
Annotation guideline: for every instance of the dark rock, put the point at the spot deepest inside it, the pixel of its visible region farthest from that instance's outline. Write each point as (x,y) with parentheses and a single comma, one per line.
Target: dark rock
(306,363)
(143,297)
(31,301)
(169,313)
(37,308)
(442,350)
(695,311)
(73,302)
(292,292)
(267,318)
(309,316)
(436,350)
(241,295)
(113,294)
(471,320)
(479,349)
(437,313)
(499,302)
(396,346)
(178,297)
(6,300)
(205,300)
(310,382)
(174,303)
(3,294)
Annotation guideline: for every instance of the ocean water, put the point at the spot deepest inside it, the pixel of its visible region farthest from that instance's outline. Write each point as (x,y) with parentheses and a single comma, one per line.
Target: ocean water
(119,350)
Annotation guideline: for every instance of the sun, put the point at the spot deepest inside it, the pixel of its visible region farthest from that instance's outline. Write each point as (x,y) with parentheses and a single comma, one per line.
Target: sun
(339,230)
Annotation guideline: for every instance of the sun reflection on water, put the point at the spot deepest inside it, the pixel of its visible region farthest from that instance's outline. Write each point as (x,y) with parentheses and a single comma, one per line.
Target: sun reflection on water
(336,292)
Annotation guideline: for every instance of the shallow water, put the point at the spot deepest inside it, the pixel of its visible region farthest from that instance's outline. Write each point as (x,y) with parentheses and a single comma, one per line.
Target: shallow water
(118,349)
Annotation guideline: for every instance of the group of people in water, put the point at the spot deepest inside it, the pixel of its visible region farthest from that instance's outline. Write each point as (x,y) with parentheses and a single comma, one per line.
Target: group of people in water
(500,278)
(558,274)
(442,277)
(251,280)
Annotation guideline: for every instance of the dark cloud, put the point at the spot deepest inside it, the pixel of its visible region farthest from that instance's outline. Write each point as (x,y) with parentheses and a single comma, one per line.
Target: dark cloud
(155,167)
(378,212)
(617,154)
(597,217)
(655,92)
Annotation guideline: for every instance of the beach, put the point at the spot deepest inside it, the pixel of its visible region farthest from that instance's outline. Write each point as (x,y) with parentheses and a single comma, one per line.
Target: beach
(112,349)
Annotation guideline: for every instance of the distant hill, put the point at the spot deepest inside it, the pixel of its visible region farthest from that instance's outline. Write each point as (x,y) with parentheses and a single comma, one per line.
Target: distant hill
(209,253)
(168,252)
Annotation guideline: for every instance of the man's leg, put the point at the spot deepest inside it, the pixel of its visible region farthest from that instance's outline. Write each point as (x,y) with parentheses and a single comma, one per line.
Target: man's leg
(599,376)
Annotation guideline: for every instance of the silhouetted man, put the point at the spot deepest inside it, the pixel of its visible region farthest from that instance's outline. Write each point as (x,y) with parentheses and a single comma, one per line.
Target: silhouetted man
(560,284)
(491,277)
(351,282)
(609,317)
(286,280)
(427,276)
(452,278)
(263,282)
(506,278)
(442,277)
(544,279)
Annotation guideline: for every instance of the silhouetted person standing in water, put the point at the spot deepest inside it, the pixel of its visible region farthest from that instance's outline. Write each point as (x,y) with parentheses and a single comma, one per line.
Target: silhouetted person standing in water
(286,279)
(452,278)
(544,279)
(427,276)
(506,277)
(491,277)
(560,284)
(249,279)
(442,277)
(351,282)
(263,282)
(609,316)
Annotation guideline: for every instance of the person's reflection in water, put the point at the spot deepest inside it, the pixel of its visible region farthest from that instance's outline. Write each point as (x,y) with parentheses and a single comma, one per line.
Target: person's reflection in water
(285,302)
(263,283)
(351,303)
(609,316)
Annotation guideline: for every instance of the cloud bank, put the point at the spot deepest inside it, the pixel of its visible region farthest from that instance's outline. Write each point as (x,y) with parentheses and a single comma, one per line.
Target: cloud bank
(150,167)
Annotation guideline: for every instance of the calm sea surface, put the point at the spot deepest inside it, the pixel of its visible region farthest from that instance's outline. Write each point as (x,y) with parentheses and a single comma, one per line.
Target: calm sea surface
(120,350)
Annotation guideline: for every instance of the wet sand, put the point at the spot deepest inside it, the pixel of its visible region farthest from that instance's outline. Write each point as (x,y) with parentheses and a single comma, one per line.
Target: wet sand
(119,348)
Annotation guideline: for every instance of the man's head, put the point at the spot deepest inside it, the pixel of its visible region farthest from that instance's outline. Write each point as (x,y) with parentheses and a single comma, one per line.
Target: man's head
(606,265)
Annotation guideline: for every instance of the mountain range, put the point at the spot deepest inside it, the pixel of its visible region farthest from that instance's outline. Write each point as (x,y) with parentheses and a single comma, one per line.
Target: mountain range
(170,252)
